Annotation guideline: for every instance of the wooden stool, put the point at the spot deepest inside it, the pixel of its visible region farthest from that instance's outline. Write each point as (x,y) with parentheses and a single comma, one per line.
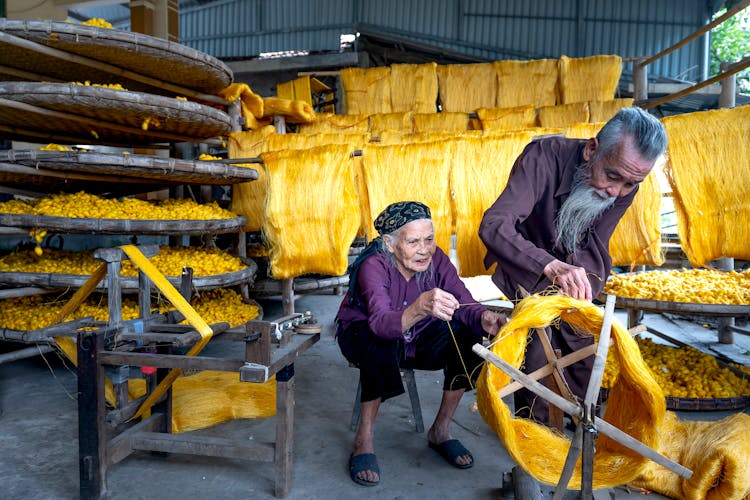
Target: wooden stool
(411,387)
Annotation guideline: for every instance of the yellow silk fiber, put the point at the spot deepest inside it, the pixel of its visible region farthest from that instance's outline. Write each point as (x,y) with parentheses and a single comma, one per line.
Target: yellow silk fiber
(182,305)
(251,104)
(602,111)
(465,88)
(440,122)
(281,142)
(708,156)
(522,83)
(399,122)
(637,237)
(249,198)
(209,398)
(636,403)
(583,130)
(507,118)
(717,452)
(563,115)
(417,171)
(294,111)
(312,210)
(367,90)
(330,123)
(481,167)
(593,78)
(414,87)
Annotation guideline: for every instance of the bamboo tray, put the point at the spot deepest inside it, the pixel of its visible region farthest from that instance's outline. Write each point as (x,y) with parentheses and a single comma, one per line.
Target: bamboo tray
(129,283)
(80,114)
(688,308)
(698,404)
(123,226)
(51,181)
(117,52)
(127,167)
(303,284)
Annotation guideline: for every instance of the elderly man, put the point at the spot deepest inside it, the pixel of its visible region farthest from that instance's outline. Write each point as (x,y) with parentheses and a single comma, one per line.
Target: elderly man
(551,225)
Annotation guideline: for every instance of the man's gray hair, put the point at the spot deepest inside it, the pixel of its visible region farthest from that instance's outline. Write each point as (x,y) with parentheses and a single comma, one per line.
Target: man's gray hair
(646,131)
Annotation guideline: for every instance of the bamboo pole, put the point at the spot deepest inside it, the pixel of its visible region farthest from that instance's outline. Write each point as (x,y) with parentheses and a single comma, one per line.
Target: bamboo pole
(708,27)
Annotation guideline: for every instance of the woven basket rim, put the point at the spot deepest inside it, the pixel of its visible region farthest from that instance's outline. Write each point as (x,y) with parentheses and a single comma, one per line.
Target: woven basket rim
(119,114)
(124,226)
(121,48)
(129,283)
(168,169)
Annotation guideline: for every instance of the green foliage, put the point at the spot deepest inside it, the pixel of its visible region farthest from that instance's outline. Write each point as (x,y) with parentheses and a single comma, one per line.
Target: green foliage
(730,42)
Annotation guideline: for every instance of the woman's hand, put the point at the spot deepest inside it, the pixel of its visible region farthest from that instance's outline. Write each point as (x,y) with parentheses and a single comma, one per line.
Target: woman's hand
(572,280)
(492,322)
(438,304)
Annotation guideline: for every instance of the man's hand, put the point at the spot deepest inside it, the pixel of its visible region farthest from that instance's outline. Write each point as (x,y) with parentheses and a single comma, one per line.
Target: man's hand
(492,322)
(438,304)
(572,280)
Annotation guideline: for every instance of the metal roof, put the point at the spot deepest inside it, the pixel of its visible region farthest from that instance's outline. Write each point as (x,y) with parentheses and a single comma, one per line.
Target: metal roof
(470,29)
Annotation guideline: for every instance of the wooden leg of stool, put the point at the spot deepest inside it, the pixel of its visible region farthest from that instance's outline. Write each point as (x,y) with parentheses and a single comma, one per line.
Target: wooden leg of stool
(416,407)
(357,408)
(284,431)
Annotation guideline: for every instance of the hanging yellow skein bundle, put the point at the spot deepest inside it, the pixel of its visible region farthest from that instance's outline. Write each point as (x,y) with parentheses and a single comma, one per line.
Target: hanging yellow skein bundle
(400,122)
(481,167)
(440,122)
(708,156)
(583,130)
(367,91)
(414,87)
(416,171)
(311,210)
(507,118)
(464,88)
(593,78)
(602,111)
(281,142)
(330,123)
(563,115)
(249,198)
(522,83)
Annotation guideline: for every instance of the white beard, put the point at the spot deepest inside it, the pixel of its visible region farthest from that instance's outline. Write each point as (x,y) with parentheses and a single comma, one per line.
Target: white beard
(579,210)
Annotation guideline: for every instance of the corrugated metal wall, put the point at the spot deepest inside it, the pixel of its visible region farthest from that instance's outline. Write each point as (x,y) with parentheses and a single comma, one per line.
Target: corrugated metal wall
(489,29)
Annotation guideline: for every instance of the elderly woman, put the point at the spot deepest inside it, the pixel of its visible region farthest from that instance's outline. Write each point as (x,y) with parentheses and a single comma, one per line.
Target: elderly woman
(407,308)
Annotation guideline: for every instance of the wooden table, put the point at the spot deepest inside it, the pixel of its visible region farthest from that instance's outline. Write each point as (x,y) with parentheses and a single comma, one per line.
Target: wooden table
(263,360)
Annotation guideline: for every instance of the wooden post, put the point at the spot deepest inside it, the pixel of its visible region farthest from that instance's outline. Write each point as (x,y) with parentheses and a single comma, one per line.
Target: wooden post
(287,296)
(114,293)
(158,18)
(727,99)
(588,439)
(726,334)
(92,456)
(640,80)
(728,94)
(283,458)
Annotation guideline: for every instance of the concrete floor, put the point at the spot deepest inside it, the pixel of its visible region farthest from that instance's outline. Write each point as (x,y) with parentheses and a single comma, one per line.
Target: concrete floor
(39,447)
